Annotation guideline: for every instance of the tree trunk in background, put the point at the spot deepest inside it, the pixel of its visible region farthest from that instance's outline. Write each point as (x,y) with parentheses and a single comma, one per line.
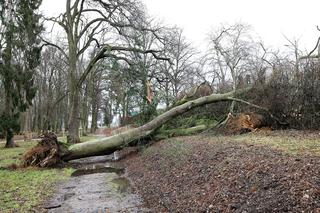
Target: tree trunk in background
(8,110)
(84,118)
(167,95)
(25,121)
(95,109)
(8,107)
(116,142)
(9,139)
(233,103)
(85,110)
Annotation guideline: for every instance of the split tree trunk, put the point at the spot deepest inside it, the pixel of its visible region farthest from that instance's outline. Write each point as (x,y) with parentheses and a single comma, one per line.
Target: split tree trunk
(116,142)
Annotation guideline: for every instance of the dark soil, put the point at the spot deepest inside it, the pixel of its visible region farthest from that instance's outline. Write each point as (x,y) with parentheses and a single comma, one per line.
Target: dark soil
(215,175)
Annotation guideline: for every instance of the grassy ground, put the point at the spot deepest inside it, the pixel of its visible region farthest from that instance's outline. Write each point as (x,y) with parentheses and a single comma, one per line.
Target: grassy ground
(290,142)
(24,190)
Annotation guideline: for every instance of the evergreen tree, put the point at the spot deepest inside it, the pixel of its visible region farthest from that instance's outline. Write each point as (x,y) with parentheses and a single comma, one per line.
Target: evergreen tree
(20,52)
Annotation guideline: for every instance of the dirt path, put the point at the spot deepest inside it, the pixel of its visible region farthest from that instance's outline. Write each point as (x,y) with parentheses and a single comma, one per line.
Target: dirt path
(96,186)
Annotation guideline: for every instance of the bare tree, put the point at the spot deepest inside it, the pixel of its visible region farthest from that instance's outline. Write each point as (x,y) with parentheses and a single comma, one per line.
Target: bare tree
(48,110)
(96,24)
(181,75)
(229,51)
(311,54)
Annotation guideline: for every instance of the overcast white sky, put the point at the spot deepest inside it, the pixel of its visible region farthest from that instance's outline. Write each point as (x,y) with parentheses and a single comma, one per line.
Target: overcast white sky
(270,19)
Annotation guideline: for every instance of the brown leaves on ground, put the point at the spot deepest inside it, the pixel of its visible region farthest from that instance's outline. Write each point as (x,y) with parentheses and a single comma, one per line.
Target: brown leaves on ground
(224,176)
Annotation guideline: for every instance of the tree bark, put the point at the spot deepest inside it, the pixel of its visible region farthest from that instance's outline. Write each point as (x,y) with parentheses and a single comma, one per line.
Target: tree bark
(95,111)
(110,144)
(73,124)
(74,89)
(9,139)
(8,106)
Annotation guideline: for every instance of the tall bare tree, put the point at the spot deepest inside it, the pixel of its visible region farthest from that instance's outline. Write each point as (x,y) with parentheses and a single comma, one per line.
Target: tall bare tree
(96,24)
(230,48)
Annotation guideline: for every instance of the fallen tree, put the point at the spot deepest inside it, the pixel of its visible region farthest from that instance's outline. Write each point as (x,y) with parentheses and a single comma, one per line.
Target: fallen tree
(113,143)
(180,131)
(110,144)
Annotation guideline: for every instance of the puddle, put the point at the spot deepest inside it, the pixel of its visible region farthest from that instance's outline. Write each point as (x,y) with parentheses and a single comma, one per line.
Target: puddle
(97,169)
(90,161)
(122,185)
(96,188)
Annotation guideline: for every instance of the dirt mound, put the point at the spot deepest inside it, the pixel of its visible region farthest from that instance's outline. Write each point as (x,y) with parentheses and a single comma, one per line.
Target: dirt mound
(246,122)
(47,153)
(225,176)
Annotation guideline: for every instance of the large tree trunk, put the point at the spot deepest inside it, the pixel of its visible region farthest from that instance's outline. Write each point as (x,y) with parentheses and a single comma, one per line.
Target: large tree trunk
(113,143)
(8,110)
(8,106)
(73,124)
(74,90)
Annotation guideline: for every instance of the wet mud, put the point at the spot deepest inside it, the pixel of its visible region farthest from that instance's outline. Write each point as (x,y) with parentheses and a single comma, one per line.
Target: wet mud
(97,185)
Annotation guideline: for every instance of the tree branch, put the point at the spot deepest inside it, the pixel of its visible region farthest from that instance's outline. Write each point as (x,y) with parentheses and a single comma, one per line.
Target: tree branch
(258,107)
(310,54)
(47,43)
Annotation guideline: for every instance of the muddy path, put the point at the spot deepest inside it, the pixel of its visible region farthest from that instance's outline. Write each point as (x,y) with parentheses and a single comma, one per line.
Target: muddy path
(97,185)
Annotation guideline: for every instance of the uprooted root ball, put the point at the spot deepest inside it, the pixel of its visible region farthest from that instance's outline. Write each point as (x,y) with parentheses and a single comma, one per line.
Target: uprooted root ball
(47,153)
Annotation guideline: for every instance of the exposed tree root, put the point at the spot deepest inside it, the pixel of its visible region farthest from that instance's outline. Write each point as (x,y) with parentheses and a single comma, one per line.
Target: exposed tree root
(246,122)
(47,153)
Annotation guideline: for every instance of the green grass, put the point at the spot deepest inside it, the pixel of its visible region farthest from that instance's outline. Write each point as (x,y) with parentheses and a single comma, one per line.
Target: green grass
(11,156)
(23,190)
(286,143)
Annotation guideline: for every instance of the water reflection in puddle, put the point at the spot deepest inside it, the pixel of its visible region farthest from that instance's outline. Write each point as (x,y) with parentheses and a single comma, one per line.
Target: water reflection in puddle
(97,169)
(122,185)
(98,187)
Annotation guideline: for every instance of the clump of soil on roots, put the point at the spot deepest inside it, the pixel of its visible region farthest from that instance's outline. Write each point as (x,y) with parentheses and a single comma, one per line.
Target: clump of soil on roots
(47,153)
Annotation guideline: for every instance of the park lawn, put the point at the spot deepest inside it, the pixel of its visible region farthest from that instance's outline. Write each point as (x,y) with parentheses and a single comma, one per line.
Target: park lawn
(25,190)
(12,156)
(290,142)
